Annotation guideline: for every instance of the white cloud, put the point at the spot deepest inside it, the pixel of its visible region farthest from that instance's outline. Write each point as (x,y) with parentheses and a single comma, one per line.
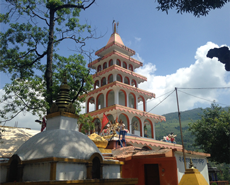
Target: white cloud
(137,57)
(137,39)
(203,73)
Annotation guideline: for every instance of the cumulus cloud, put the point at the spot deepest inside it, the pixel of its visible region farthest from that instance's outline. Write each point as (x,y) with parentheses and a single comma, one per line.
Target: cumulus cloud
(204,73)
(137,39)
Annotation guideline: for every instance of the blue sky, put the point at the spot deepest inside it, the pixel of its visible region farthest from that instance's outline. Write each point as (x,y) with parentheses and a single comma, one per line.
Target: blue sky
(171,46)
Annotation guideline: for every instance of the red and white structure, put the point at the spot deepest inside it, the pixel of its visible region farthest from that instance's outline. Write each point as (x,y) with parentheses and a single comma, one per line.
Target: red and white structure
(116,91)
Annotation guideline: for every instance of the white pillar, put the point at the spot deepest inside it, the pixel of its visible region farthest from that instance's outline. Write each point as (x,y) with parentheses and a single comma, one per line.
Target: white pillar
(136,102)
(116,101)
(104,100)
(115,77)
(127,99)
(114,61)
(130,126)
(145,104)
(143,132)
(99,83)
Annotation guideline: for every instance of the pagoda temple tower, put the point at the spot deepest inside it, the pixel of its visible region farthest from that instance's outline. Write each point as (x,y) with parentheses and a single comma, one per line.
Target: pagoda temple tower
(116,89)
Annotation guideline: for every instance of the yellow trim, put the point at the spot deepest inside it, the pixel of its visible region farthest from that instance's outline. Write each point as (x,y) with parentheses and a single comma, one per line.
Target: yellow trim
(121,171)
(66,114)
(53,167)
(113,162)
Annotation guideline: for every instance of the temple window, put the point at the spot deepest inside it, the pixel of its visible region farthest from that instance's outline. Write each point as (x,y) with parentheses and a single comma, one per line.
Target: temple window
(130,67)
(118,62)
(124,65)
(96,84)
(110,78)
(136,126)
(126,80)
(132,101)
(110,98)
(103,81)
(122,98)
(119,78)
(111,62)
(100,101)
(99,68)
(91,105)
(134,83)
(105,65)
(148,129)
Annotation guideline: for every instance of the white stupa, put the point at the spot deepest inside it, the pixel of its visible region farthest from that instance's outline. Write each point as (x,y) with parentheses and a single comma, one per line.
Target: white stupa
(61,153)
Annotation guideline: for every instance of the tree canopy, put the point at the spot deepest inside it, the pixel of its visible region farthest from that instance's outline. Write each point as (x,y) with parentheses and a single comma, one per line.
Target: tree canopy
(196,7)
(212,133)
(29,53)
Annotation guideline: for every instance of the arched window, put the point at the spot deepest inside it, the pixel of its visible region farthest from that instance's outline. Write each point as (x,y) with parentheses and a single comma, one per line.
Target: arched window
(105,65)
(132,100)
(103,81)
(110,78)
(118,62)
(111,62)
(125,120)
(110,100)
(96,84)
(126,80)
(130,67)
(119,78)
(148,129)
(141,103)
(134,83)
(122,98)
(136,126)
(124,65)
(100,101)
(97,124)
(91,105)
(99,68)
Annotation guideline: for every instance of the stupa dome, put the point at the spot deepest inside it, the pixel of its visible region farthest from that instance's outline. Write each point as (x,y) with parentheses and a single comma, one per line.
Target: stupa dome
(58,143)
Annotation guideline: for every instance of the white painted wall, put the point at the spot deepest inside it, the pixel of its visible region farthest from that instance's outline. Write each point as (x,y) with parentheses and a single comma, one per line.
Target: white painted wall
(71,171)
(111,171)
(61,122)
(3,173)
(36,172)
(199,162)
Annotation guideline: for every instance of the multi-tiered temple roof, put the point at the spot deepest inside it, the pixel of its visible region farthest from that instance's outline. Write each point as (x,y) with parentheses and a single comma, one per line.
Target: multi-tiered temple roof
(116,89)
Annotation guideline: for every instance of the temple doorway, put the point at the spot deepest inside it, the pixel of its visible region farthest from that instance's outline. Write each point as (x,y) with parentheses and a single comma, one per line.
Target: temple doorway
(152,174)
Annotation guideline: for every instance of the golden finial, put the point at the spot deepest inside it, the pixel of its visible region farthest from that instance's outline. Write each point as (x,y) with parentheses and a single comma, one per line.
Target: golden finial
(191,166)
(63,102)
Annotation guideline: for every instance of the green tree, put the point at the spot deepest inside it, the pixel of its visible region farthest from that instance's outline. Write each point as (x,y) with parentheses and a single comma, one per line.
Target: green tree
(29,53)
(212,133)
(196,7)
(85,122)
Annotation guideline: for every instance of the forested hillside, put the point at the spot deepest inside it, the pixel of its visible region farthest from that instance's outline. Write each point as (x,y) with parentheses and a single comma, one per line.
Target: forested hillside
(172,125)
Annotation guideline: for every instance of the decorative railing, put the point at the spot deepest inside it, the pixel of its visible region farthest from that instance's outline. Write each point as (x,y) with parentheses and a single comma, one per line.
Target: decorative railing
(219,182)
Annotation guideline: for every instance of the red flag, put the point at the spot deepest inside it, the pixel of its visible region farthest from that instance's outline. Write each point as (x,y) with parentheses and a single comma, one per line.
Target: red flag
(116,120)
(105,120)
(43,124)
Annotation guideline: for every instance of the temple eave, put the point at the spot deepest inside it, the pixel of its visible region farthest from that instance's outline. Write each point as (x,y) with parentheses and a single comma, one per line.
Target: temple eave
(116,53)
(119,68)
(120,84)
(122,108)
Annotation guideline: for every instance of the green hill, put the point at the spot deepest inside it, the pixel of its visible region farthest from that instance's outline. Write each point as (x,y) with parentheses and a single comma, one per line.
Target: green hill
(172,125)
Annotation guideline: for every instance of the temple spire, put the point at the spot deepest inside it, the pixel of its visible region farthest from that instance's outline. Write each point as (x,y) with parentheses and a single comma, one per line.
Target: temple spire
(115,26)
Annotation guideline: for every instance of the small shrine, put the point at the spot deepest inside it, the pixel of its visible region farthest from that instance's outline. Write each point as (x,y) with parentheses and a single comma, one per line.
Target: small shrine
(61,154)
